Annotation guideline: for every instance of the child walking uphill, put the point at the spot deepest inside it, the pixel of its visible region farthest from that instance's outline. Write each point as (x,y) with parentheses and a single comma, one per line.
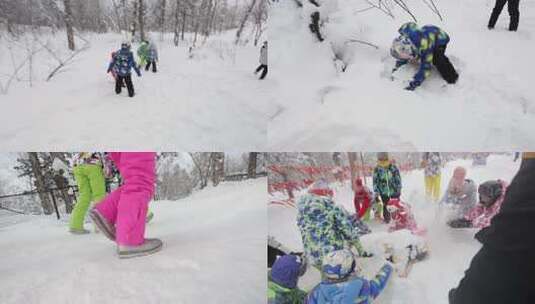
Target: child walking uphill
(121,215)
(89,176)
(426,45)
(148,55)
(341,283)
(263,61)
(121,64)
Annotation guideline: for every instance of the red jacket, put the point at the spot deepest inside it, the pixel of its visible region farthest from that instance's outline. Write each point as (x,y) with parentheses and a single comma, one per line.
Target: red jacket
(362,201)
(402,217)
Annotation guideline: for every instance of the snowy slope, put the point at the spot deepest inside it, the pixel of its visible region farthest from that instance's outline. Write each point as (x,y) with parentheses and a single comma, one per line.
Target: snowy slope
(190,104)
(450,250)
(214,252)
(492,107)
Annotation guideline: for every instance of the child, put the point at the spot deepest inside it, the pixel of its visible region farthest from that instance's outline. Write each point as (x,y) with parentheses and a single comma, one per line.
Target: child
(148,54)
(362,200)
(461,193)
(282,281)
(432,164)
(386,182)
(89,176)
(491,195)
(402,217)
(426,45)
(324,226)
(122,63)
(263,61)
(514,13)
(341,282)
(122,214)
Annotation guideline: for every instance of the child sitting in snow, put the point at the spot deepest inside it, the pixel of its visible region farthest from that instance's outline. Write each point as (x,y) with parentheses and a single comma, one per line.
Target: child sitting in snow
(426,45)
(402,217)
(461,194)
(282,281)
(341,282)
(491,195)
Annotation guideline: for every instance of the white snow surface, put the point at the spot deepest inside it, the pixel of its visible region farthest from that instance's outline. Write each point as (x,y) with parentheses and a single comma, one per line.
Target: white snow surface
(450,250)
(492,107)
(214,252)
(208,103)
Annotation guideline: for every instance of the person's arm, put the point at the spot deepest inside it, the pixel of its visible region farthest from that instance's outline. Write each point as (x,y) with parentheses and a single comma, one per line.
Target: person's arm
(426,64)
(396,182)
(378,283)
(134,64)
(376,179)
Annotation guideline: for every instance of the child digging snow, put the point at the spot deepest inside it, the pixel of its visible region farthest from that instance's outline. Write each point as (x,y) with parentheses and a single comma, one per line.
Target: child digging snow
(342,284)
(121,64)
(324,226)
(122,214)
(491,195)
(282,280)
(426,45)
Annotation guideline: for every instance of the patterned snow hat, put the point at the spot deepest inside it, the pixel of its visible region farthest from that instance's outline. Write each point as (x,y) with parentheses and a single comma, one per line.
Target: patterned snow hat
(321,188)
(338,264)
(403,48)
(286,270)
(490,192)
(382,155)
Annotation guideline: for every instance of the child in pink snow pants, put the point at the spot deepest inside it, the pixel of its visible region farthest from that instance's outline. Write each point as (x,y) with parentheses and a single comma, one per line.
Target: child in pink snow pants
(125,209)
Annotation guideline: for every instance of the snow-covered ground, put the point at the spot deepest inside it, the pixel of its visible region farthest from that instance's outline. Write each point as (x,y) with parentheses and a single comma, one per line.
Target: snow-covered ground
(492,107)
(214,252)
(211,102)
(450,250)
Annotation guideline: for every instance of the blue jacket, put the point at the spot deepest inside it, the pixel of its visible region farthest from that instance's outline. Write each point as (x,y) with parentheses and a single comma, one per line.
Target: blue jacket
(426,40)
(123,62)
(356,290)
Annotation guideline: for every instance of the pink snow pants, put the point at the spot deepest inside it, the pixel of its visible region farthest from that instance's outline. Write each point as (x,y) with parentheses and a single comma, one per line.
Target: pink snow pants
(126,207)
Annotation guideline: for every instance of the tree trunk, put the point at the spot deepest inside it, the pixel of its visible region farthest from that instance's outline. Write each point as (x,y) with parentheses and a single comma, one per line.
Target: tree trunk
(251,169)
(176,37)
(68,24)
(40,183)
(244,21)
(141,19)
(162,18)
(352,156)
(184,15)
(218,167)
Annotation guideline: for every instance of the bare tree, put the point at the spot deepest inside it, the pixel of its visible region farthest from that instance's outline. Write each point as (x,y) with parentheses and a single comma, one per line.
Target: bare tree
(244,20)
(251,167)
(141,19)
(69,24)
(40,183)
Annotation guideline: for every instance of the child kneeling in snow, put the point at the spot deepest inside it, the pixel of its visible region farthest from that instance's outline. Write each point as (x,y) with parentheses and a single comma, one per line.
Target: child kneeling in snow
(341,283)
(402,217)
(426,45)
(491,195)
(461,194)
(362,200)
(282,280)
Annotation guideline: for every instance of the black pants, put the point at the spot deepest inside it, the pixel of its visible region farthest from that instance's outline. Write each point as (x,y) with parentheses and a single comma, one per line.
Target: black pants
(386,214)
(444,66)
(496,277)
(153,66)
(264,70)
(126,80)
(514,13)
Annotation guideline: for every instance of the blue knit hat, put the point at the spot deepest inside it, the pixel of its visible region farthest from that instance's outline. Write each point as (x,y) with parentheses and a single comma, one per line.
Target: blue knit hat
(285,271)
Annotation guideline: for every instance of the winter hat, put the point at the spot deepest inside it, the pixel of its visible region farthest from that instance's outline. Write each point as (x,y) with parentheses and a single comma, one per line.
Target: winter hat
(125,45)
(358,182)
(490,192)
(321,188)
(338,264)
(285,271)
(457,180)
(403,49)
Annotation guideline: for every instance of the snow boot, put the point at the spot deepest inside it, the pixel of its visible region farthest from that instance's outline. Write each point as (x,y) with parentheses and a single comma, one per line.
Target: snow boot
(78,231)
(103,224)
(150,246)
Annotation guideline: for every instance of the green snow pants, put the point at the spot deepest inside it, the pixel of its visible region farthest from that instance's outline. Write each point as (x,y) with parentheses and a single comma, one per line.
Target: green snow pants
(92,188)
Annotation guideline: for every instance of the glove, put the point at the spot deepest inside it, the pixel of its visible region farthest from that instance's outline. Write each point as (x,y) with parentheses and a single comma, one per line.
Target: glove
(108,71)
(412,86)
(138,74)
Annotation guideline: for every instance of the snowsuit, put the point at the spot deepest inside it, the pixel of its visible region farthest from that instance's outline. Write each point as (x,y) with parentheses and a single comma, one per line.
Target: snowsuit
(432,165)
(480,216)
(324,227)
(348,291)
(89,177)
(464,200)
(362,201)
(502,271)
(278,294)
(126,207)
(263,62)
(402,218)
(122,63)
(431,42)
(386,184)
(514,13)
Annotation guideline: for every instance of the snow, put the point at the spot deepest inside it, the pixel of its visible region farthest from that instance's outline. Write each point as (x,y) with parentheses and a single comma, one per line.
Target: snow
(450,250)
(492,107)
(214,252)
(199,104)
